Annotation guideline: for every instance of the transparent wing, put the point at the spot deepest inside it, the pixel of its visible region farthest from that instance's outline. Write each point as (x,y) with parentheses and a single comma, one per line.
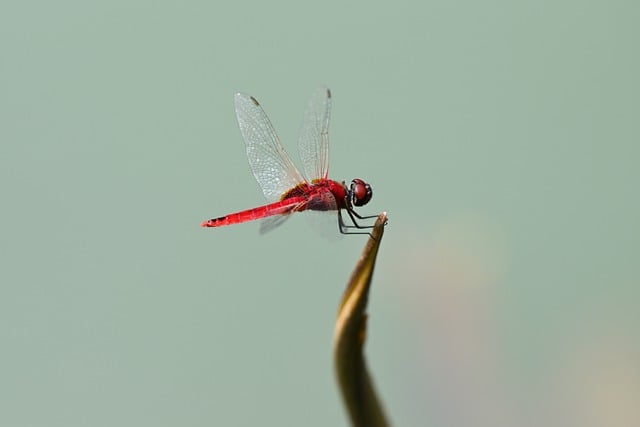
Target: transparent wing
(324,219)
(313,144)
(269,162)
(320,209)
(272,222)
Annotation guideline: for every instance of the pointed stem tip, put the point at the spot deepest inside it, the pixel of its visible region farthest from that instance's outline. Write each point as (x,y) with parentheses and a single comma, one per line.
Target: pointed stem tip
(350,332)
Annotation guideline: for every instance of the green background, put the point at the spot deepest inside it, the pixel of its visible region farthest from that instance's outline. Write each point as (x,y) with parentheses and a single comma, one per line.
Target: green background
(501,137)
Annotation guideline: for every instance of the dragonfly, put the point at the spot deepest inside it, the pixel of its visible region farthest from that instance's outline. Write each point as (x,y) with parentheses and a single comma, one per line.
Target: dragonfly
(286,190)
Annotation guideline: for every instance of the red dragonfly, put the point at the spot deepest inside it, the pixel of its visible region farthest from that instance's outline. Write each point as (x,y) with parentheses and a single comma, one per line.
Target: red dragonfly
(285,189)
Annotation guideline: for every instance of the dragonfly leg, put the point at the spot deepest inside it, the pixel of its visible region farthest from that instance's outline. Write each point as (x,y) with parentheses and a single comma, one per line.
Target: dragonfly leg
(346,229)
(353,215)
(352,212)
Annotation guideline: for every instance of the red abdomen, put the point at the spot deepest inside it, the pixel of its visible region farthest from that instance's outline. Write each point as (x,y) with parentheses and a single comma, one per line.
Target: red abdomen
(321,195)
(278,208)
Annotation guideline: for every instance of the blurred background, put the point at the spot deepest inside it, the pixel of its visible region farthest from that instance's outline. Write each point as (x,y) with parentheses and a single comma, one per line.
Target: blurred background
(500,137)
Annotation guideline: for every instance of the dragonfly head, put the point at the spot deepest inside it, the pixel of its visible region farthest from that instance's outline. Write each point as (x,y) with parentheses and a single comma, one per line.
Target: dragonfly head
(359,193)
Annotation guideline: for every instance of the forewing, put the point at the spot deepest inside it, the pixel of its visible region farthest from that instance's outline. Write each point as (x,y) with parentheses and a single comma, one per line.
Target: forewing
(313,143)
(269,162)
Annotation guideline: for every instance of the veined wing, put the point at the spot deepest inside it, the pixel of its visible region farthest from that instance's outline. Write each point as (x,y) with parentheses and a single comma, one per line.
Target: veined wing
(321,214)
(313,143)
(320,205)
(273,222)
(269,162)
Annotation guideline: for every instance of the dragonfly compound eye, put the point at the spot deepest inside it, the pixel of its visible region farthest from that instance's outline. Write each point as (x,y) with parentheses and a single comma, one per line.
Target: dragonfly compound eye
(360,192)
